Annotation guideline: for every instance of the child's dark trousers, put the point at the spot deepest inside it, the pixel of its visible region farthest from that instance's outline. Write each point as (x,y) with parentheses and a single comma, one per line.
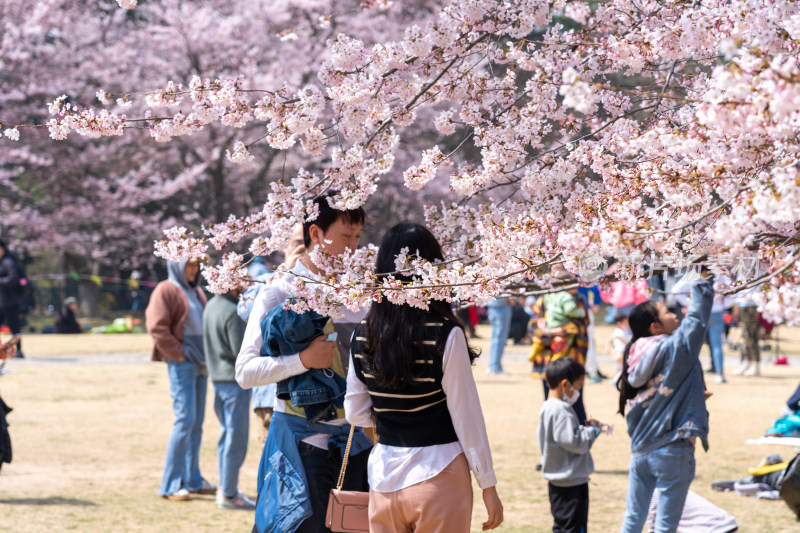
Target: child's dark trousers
(570,508)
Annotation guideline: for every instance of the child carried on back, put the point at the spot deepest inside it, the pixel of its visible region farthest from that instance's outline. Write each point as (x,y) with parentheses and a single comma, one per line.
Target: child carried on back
(561,330)
(662,388)
(618,341)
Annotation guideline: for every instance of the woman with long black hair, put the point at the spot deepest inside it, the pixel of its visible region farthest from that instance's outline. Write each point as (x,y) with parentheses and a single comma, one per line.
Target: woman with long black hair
(661,386)
(412,368)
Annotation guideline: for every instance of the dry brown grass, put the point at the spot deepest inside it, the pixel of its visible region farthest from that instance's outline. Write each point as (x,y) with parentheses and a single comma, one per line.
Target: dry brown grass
(89,437)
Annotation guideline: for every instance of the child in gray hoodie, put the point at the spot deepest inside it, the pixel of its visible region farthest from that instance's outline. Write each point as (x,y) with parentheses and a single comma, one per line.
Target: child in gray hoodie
(565,444)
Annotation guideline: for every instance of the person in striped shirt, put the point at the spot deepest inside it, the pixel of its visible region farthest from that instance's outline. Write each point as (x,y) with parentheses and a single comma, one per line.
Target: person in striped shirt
(412,368)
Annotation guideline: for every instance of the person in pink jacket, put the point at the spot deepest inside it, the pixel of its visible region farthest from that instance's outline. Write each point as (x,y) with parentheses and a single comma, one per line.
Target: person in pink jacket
(623,296)
(174,319)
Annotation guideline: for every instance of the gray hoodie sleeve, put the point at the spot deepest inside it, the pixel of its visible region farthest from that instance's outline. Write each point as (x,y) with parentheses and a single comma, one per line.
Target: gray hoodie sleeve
(234,331)
(573,437)
(565,444)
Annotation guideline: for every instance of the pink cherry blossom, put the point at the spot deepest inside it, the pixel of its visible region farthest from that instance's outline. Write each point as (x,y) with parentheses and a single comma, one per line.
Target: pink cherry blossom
(535,133)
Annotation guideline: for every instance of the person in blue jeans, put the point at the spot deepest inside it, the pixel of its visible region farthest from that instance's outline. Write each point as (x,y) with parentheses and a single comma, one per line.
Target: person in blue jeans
(223,332)
(174,319)
(716,330)
(499,312)
(662,388)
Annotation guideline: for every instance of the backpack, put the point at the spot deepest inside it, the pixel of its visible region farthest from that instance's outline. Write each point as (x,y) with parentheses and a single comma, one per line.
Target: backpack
(789,485)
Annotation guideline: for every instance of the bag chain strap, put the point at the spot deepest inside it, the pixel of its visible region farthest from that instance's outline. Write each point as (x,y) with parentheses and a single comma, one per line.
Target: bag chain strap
(344,459)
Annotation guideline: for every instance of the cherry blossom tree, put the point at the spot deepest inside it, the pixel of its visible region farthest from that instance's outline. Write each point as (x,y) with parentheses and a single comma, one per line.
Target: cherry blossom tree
(571,132)
(108,199)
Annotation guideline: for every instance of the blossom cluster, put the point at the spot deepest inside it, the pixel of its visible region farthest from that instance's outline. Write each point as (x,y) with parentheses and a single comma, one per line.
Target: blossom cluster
(88,122)
(636,127)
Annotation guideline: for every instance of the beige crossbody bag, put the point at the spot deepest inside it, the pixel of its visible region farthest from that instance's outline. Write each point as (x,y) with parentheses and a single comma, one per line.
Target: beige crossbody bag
(348,510)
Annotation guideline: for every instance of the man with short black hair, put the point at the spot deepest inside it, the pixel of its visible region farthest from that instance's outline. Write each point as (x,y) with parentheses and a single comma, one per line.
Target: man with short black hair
(11,292)
(305,458)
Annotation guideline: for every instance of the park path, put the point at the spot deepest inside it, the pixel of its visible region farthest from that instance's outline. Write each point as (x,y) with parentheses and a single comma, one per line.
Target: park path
(84,359)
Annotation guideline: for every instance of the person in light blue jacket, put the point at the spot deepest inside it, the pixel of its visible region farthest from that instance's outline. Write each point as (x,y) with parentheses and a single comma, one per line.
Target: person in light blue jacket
(663,390)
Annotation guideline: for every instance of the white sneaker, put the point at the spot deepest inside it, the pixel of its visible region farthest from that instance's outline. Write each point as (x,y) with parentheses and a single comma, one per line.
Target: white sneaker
(742,369)
(752,371)
(180,495)
(720,379)
(240,501)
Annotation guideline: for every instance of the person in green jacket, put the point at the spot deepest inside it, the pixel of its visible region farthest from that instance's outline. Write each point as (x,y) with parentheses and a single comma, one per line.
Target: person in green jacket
(561,331)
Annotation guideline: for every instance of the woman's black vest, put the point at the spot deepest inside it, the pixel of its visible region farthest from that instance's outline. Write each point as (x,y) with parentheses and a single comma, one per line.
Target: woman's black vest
(415,415)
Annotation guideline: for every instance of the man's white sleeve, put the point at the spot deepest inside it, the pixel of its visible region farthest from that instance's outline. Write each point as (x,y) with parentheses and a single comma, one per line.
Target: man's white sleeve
(253,370)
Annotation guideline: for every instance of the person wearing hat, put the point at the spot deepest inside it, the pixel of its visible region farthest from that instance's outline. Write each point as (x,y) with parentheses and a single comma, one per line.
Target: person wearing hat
(66,322)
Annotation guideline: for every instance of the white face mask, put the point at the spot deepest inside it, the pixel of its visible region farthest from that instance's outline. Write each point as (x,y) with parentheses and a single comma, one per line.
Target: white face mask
(572,398)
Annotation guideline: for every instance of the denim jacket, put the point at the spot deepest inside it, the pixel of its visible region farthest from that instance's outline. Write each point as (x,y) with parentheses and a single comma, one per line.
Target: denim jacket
(672,404)
(318,391)
(283,501)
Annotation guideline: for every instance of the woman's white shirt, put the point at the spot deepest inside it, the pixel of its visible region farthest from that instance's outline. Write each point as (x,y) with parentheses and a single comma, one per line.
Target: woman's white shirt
(392,468)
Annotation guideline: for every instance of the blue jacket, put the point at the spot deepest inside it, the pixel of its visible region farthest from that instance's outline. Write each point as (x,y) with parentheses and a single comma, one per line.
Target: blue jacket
(672,404)
(283,502)
(318,391)
(286,332)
